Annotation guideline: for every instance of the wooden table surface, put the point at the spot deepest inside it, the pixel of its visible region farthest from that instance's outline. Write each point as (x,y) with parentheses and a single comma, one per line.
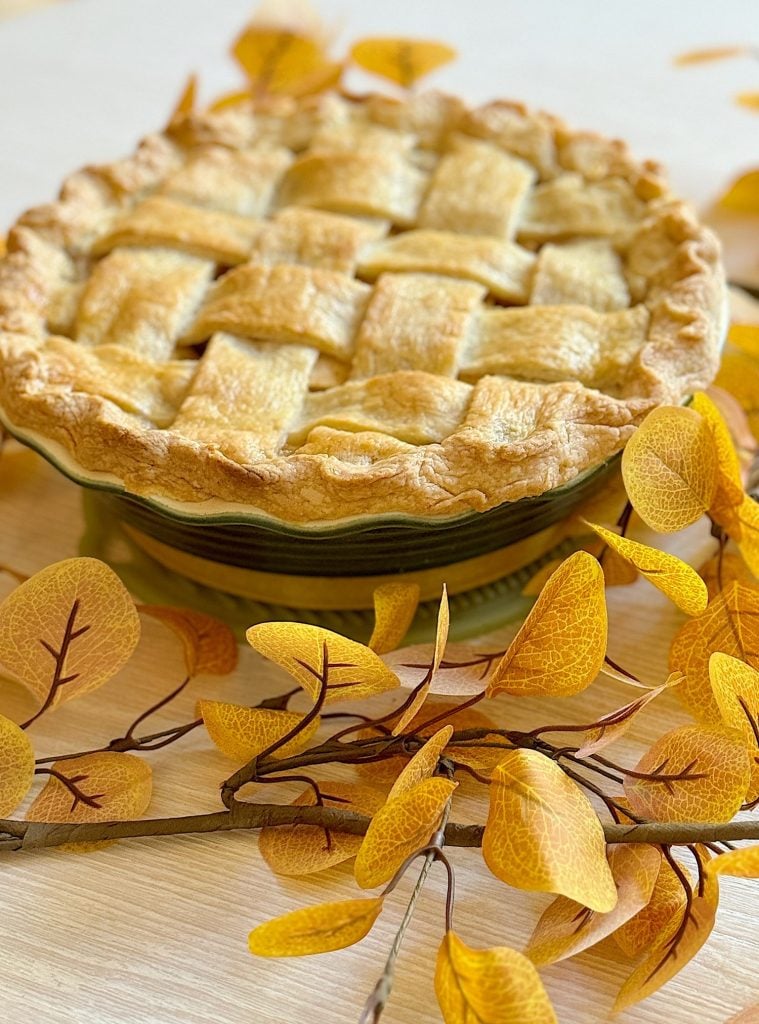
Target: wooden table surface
(154,931)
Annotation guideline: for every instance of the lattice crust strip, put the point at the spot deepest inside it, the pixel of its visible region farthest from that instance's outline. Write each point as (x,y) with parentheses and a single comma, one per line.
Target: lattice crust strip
(358,282)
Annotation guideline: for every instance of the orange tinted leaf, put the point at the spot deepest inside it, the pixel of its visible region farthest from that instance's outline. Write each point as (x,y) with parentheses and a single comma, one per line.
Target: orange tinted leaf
(210,646)
(275,59)
(16,766)
(352,670)
(424,762)
(699,773)
(666,959)
(675,578)
(110,786)
(395,606)
(710,54)
(731,625)
(231,99)
(566,928)
(749,100)
(402,826)
(186,102)
(743,863)
(319,929)
(669,467)
(543,834)
(325,76)
(736,691)
(241,733)
(739,375)
(441,639)
(746,338)
(403,61)
(657,921)
(492,986)
(305,849)
(76,616)
(733,568)
(561,645)
(742,195)
(617,571)
(612,726)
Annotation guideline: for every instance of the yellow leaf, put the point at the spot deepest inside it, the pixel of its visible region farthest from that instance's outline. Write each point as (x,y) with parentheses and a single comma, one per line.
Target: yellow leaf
(566,927)
(656,922)
(709,54)
(739,375)
(543,834)
(231,99)
(319,929)
(462,673)
(68,629)
(749,100)
(696,773)
(667,958)
(403,61)
(732,569)
(675,578)
(441,639)
(277,60)
(481,758)
(241,733)
(402,826)
(737,422)
(313,655)
(617,571)
(743,863)
(305,849)
(535,583)
(746,532)
(561,645)
(16,766)
(395,606)
(728,493)
(743,195)
(736,691)
(186,102)
(746,338)
(106,786)
(731,625)
(669,467)
(424,762)
(611,727)
(488,986)
(209,645)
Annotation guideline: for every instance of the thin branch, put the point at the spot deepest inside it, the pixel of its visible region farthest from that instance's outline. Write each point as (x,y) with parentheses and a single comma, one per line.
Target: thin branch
(31,835)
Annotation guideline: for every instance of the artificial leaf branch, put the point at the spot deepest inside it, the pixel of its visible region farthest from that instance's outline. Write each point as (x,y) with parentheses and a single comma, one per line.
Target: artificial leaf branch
(68,629)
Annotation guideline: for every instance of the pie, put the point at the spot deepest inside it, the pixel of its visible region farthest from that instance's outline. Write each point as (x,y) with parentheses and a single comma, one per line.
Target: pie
(342,306)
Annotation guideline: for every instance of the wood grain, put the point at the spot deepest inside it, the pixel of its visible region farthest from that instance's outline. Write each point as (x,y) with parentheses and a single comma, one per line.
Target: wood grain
(154,931)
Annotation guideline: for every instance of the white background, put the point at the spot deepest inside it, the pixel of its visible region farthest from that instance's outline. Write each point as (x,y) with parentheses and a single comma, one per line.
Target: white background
(82,80)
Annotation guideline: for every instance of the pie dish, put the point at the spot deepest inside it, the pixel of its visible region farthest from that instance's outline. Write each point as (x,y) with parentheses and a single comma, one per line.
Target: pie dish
(336,308)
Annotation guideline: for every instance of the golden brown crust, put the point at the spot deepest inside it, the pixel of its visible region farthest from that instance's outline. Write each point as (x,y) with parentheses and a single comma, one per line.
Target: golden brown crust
(493,440)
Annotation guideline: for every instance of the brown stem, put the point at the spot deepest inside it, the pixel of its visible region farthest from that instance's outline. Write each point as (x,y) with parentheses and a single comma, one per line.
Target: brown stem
(30,835)
(59,657)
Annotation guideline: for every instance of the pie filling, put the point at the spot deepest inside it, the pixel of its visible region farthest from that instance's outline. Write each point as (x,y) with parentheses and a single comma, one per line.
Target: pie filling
(339,307)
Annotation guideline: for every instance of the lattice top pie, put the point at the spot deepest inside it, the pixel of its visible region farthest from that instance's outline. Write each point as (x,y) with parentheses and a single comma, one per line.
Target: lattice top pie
(338,306)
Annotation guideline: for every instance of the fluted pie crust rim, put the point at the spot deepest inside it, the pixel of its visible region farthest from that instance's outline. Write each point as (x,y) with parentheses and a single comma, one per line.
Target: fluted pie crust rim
(565,427)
